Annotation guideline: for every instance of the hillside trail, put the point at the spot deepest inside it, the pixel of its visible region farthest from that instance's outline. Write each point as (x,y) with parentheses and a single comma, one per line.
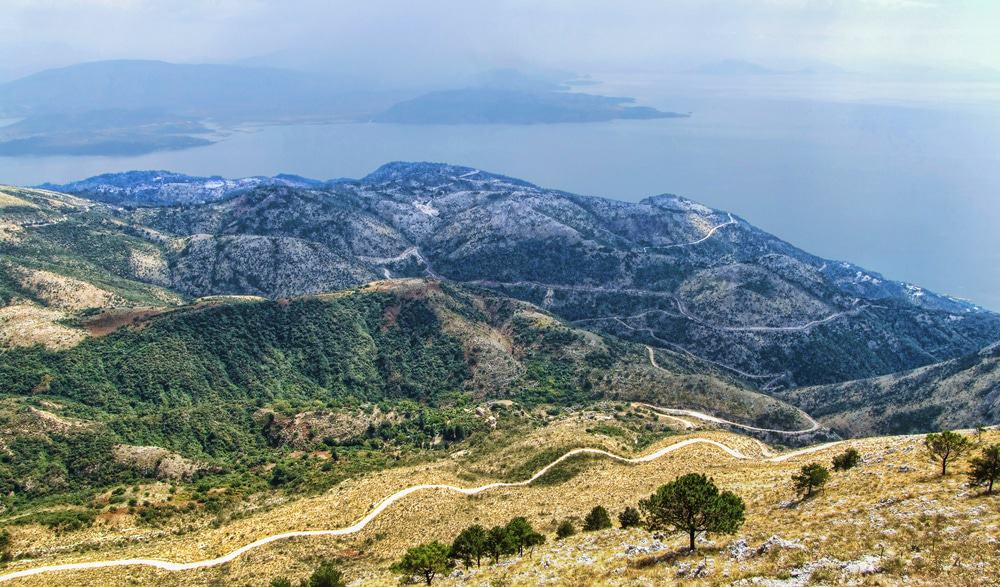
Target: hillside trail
(813,424)
(385,503)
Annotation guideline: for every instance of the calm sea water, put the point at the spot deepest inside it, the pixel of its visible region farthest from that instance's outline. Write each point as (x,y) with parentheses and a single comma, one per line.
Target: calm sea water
(905,186)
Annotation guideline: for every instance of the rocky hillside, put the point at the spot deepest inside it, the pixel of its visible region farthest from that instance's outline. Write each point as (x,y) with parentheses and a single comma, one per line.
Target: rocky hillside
(960,393)
(665,271)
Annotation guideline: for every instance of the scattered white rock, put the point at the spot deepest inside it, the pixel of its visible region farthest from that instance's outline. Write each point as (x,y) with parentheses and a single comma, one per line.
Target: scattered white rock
(642,548)
(696,570)
(866,565)
(776,541)
(739,550)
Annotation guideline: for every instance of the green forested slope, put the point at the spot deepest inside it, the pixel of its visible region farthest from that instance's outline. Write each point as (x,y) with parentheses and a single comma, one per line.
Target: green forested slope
(216,380)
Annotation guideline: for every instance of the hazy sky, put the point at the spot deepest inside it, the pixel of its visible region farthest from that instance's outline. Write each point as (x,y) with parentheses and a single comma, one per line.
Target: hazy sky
(397,37)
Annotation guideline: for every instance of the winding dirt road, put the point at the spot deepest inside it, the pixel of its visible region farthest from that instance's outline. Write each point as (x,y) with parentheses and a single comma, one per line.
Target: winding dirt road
(707,236)
(388,501)
(814,425)
(716,420)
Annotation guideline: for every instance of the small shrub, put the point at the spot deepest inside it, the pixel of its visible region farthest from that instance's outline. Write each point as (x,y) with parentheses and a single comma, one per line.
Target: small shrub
(60,521)
(5,555)
(629,518)
(326,575)
(846,460)
(565,529)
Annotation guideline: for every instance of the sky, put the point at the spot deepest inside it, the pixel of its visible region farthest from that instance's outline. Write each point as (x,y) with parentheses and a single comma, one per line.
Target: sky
(405,38)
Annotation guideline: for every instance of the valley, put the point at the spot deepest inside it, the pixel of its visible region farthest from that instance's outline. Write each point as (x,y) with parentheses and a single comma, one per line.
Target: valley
(210,380)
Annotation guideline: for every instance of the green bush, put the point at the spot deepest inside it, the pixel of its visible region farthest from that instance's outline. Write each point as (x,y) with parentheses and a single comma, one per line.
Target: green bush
(597,519)
(5,540)
(629,517)
(326,575)
(61,520)
(565,529)
(846,460)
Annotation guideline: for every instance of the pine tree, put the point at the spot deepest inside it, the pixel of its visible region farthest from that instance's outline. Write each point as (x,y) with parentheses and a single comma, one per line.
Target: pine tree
(946,446)
(427,560)
(692,503)
(499,542)
(986,468)
(810,478)
(521,534)
(470,545)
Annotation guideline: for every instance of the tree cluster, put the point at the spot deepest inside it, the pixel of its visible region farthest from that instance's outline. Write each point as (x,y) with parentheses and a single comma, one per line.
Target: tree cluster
(471,546)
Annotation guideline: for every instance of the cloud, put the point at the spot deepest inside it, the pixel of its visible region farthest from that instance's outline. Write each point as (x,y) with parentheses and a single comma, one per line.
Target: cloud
(398,37)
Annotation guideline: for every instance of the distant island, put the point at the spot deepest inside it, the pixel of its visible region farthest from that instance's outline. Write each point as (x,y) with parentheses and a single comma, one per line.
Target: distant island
(501,106)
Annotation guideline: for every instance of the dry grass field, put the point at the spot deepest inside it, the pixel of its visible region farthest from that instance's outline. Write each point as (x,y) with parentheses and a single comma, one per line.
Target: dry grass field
(890,521)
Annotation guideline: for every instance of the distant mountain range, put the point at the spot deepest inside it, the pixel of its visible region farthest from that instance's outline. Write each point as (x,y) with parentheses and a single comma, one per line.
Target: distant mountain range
(666,271)
(957,393)
(224,92)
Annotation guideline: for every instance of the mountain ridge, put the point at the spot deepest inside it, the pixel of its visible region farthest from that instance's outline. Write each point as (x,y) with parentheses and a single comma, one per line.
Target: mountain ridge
(665,271)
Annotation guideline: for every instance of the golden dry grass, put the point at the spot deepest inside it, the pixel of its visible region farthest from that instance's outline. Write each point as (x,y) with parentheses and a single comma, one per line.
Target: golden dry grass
(9,200)
(61,291)
(924,529)
(27,324)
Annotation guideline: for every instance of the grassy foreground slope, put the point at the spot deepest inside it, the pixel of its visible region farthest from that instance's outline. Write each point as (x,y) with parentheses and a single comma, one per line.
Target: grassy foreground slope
(891,520)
